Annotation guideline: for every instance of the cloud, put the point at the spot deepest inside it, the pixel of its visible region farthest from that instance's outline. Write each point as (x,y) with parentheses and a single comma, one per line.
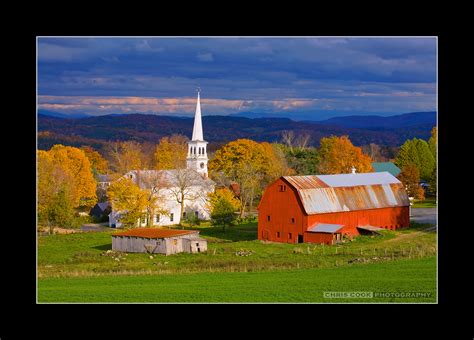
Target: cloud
(281,74)
(205,57)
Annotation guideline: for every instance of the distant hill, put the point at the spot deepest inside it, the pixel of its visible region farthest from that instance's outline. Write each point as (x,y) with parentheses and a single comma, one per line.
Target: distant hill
(98,130)
(62,115)
(371,122)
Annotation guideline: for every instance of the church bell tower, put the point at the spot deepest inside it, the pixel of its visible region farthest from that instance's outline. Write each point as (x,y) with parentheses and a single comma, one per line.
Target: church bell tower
(197,153)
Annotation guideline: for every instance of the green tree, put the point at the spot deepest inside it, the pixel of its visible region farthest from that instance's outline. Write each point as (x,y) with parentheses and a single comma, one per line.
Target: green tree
(222,205)
(60,212)
(417,152)
(427,160)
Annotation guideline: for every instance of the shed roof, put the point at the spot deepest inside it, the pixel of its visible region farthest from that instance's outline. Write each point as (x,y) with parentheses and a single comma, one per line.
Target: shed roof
(348,192)
(103,205)
(325,228)
(386,166)
(369,228)
(154,232)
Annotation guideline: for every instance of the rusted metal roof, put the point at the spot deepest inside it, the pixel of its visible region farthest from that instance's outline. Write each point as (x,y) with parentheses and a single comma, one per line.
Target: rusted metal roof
(154,232)
(325,228)
(348,192)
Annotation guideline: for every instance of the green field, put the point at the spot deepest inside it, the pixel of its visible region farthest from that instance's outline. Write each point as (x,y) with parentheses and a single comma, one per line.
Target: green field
(305,285)
(73,268)
(429,202)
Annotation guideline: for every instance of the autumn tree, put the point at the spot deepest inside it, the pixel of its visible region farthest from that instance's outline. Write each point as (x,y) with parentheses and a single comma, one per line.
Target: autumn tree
(337,155)
(222,206)
(171,152)
(249,164)
(98,163)
(410,177)
(54,190)
(124,156)
(127,198)
(77,166)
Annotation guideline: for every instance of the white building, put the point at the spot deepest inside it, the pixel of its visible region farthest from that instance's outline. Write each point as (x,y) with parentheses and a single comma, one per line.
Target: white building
(170,185)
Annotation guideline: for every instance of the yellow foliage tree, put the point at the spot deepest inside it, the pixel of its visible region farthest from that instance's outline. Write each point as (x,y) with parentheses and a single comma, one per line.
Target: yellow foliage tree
(250,164)
(337,155)
(171,153)
(52,181)
(127,197)
(76,165)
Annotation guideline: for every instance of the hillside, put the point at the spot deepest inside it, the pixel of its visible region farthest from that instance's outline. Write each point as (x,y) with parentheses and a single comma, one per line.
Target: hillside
(217,129)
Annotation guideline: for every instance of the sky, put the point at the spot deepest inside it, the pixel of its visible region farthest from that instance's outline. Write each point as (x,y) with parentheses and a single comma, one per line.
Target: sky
(317,77)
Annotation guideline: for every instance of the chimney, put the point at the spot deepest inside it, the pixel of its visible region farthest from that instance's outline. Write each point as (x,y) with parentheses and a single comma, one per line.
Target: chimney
(353,170)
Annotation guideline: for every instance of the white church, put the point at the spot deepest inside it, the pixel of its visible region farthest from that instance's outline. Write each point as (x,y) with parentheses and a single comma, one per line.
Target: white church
(192,182)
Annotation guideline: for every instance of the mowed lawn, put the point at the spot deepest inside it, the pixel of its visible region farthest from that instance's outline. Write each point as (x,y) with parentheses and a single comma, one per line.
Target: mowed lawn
(77,268)
(304,285)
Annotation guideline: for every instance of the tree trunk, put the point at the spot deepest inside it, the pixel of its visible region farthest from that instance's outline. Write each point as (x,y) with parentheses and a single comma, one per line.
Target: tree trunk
(182,211)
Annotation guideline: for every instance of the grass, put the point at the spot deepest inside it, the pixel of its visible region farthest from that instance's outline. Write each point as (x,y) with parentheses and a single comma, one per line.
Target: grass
(76,261)
(429,202)
(304,285)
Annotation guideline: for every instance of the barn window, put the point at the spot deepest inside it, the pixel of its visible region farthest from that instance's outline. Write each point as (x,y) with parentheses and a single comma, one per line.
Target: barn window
(282,188)
(171,217)
(175,242)
(278,234)
(293,220)
(268,218)
(289,236)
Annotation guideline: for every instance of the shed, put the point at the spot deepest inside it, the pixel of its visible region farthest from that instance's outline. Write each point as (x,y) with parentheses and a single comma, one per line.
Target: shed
(294,208)
(158,241)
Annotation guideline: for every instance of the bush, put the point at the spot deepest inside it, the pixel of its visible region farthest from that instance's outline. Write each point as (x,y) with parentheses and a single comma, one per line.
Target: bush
(192,220)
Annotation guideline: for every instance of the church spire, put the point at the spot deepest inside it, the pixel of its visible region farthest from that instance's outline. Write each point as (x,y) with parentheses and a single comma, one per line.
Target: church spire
(197,129)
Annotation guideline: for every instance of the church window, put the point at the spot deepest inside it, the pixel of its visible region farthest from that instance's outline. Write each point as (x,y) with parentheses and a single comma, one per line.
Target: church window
(194,150)
(157,218)
(199,150)
(196,213)
(171,217)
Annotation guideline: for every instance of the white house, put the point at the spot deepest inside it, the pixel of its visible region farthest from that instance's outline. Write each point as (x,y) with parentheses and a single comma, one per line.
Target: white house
(170,185)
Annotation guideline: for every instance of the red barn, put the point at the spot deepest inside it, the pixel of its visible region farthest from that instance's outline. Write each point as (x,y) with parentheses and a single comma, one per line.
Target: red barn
(321,209)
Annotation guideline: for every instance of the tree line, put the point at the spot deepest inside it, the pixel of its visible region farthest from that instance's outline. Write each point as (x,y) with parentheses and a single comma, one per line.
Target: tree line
(68,176)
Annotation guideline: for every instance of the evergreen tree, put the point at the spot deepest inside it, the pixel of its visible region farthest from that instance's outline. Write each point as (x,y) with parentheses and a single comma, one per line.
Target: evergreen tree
(426,159)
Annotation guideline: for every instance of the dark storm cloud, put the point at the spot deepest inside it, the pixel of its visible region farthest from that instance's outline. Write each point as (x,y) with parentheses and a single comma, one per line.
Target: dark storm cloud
(385,75)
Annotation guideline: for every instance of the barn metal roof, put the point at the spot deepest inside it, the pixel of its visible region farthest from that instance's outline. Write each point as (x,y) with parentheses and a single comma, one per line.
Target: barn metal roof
(325,228)
(350,180)
(154,232)
(348,192)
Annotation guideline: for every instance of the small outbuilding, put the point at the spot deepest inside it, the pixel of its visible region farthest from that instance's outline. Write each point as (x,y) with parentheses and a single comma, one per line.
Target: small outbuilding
(158,241)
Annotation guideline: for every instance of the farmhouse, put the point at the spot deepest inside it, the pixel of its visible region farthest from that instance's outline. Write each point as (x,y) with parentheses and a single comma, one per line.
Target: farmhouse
(158,241)
(173,187)
(324,208)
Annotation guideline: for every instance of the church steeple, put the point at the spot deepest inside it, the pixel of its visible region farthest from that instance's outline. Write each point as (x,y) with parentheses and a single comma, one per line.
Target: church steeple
(197,154)
(197,129)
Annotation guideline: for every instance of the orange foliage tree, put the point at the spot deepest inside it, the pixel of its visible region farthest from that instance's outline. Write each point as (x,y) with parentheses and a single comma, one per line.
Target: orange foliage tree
(337,155)
(410,177)
(75,164)
(98,163)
